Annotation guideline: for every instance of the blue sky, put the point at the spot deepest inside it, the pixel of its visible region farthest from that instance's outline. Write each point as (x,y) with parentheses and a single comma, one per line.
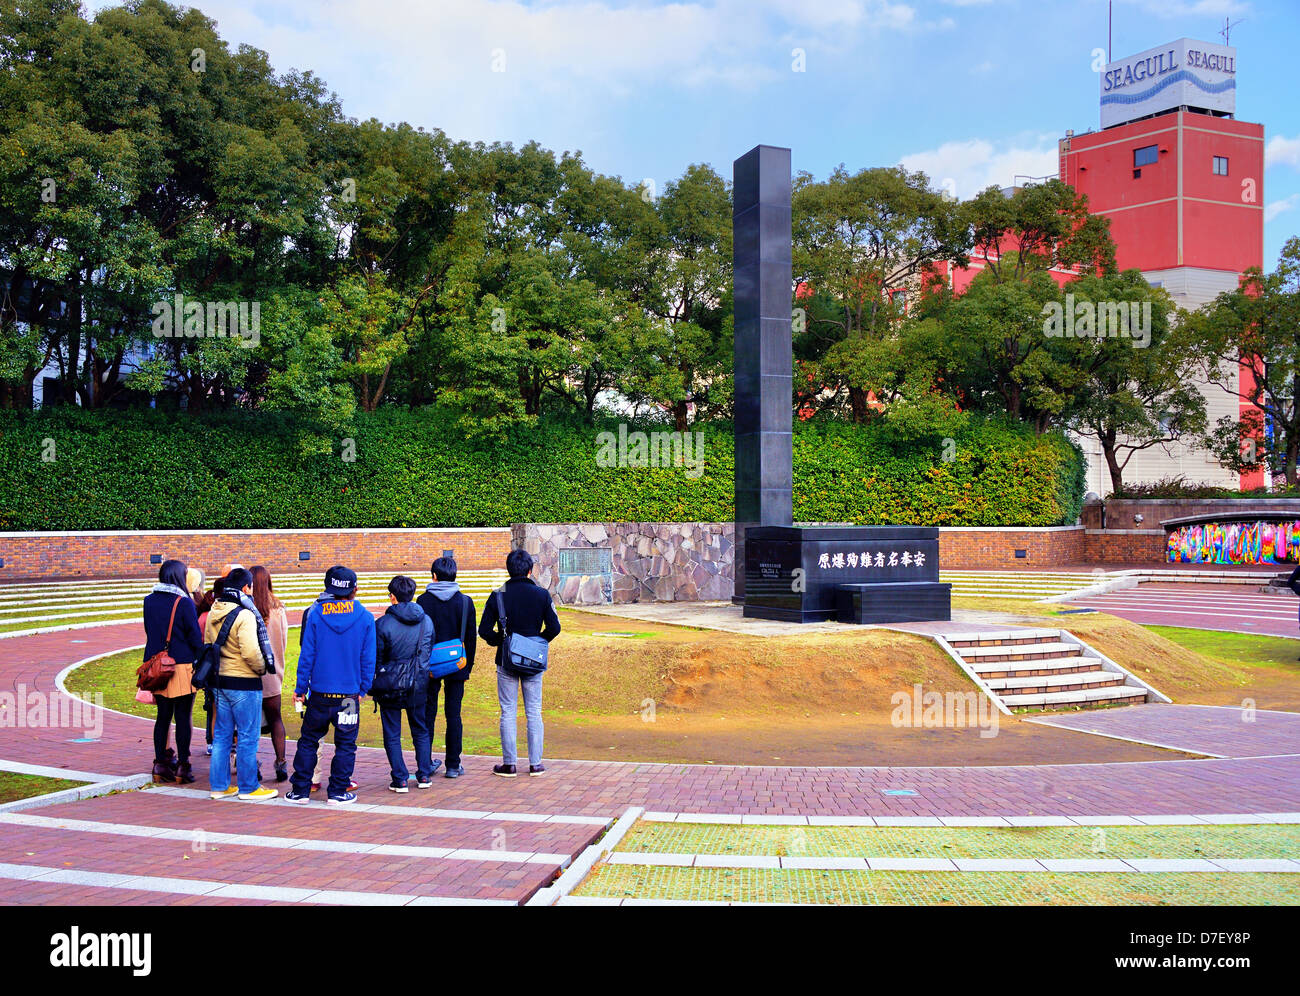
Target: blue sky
(972,91)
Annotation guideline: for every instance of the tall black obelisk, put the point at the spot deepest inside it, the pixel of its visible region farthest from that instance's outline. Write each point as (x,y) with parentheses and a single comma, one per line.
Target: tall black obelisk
(761,225)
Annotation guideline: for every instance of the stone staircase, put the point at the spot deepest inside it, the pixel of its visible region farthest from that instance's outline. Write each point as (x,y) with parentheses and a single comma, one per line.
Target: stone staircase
(1044,669)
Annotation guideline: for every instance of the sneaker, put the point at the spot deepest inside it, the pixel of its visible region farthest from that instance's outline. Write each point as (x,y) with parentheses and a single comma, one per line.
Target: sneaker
(455,772)
(399,787)
(229,793)
(281,771)
(259,795)
(352,786)
(208,750)
(296,798)
(315,786)
(426,783)
(346,799)
(434,770)
(537,769)
(504,770)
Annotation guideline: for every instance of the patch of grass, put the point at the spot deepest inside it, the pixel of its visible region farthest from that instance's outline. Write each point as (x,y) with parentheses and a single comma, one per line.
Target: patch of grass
(1081,842)
(14,786)
(896,888)
(1238,649)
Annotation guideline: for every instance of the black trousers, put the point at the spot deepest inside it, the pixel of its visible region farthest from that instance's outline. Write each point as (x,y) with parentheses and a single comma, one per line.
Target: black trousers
(455,731)
(176,709)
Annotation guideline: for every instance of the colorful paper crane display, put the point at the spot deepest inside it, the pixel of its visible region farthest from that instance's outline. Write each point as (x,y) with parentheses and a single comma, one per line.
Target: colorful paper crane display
(1235,543)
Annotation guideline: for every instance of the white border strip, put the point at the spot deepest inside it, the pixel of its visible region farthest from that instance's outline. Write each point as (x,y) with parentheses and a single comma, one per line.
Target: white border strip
(226,890)
(774,863)
(1148,819)
(584,862)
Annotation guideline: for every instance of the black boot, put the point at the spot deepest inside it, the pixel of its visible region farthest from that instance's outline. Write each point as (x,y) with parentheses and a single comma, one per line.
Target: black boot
(184,773)
(164,768)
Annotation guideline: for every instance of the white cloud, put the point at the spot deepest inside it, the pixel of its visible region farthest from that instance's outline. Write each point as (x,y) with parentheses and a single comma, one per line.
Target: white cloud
(567,62)
(1275,208)
(1194,8)
(965,168)
(1282,151)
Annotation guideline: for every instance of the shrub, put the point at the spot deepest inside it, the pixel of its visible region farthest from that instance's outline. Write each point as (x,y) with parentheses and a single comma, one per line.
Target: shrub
(154,470)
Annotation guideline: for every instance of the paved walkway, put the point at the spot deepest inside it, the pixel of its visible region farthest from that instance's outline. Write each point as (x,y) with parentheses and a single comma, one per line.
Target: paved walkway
(493,839)
(1232,608)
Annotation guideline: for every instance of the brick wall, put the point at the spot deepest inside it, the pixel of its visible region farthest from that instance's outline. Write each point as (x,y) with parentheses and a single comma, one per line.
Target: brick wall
(34,556)
(1126,546)
(973,548)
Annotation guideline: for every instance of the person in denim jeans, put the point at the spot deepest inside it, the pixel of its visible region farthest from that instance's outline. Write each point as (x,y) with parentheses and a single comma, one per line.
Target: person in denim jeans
(237,693)
(529,612)
(405,633)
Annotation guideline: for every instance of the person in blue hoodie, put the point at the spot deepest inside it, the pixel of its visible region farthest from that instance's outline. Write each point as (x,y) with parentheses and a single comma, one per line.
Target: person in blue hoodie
(404,635)
(336,667)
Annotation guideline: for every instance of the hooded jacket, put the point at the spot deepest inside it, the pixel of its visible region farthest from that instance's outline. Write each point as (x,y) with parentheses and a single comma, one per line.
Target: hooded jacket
(338,648)
(401,633)
(242,664)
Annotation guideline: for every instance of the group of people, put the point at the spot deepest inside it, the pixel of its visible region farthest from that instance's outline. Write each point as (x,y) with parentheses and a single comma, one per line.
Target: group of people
(243,626)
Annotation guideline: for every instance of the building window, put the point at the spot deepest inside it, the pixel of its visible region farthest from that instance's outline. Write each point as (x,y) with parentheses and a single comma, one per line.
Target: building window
(1145,156)
(1220,165)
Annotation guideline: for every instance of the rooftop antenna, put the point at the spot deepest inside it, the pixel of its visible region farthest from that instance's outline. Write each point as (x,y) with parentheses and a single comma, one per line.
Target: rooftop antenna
(1227,28)
(1110,29)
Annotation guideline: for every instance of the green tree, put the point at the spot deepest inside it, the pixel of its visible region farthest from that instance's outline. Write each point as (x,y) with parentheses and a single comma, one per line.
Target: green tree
(1249,339)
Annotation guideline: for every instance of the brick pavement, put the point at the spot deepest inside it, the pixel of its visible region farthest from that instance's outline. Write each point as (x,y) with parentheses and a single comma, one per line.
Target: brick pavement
(1242,783)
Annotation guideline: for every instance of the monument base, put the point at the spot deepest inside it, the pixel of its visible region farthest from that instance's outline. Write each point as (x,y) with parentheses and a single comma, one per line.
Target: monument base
(797,574)
(891,602)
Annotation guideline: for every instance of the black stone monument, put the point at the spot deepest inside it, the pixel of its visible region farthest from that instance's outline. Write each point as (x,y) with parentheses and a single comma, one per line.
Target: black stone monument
(860,574)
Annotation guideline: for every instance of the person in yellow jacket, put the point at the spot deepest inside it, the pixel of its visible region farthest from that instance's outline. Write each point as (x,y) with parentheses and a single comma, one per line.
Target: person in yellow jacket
(237,689)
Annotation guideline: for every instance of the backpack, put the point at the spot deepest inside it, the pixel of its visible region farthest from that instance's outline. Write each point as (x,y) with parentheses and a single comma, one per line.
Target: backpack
(207,669)
(448,657)
(396,680)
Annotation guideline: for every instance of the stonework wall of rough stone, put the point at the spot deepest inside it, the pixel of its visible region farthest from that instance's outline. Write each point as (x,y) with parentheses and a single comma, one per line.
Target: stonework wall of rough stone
(650,561)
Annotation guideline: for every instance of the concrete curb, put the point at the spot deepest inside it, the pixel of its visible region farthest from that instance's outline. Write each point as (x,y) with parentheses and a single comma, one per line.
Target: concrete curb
(127,784)
(584,862)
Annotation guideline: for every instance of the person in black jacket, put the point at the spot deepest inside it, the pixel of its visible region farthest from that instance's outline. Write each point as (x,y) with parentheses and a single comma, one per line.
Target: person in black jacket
(175,702)
(402,633)
(446,605)
(528,612)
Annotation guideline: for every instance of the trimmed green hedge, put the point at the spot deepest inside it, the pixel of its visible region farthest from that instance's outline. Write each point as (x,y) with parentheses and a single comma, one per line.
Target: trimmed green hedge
(157,470)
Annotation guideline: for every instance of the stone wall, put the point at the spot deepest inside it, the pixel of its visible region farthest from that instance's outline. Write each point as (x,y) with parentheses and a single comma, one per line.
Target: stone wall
(649,561)
(37,556)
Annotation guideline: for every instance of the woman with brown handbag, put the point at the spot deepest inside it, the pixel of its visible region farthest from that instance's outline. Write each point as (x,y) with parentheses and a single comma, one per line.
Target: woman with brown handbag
(171,629)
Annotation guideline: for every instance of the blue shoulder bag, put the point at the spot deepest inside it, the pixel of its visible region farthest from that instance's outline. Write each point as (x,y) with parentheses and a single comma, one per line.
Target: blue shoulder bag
(448,657)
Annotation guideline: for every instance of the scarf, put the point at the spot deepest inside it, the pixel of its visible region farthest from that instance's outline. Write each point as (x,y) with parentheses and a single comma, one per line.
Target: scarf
(171,589)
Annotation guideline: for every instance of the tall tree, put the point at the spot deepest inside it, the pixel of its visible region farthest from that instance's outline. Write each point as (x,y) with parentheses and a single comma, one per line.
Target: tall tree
(1249,339)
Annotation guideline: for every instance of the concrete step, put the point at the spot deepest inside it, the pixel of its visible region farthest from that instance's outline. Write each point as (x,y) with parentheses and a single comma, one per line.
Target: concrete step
(1021,669)
(1000,637)
(1063,682)
(1042,650)
(1108,695)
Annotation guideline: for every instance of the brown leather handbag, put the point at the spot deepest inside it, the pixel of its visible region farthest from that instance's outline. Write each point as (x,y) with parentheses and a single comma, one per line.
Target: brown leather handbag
(155,673)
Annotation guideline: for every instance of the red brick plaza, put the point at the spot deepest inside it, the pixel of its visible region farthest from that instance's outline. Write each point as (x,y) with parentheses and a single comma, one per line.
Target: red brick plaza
(481,838)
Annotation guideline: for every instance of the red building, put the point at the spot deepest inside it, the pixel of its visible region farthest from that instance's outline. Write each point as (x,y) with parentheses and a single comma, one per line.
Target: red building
(1182,182)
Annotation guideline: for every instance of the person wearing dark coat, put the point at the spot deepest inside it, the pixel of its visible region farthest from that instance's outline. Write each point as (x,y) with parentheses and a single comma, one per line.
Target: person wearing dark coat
(528,612)
(402,633)
(175,702)
(447,605)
